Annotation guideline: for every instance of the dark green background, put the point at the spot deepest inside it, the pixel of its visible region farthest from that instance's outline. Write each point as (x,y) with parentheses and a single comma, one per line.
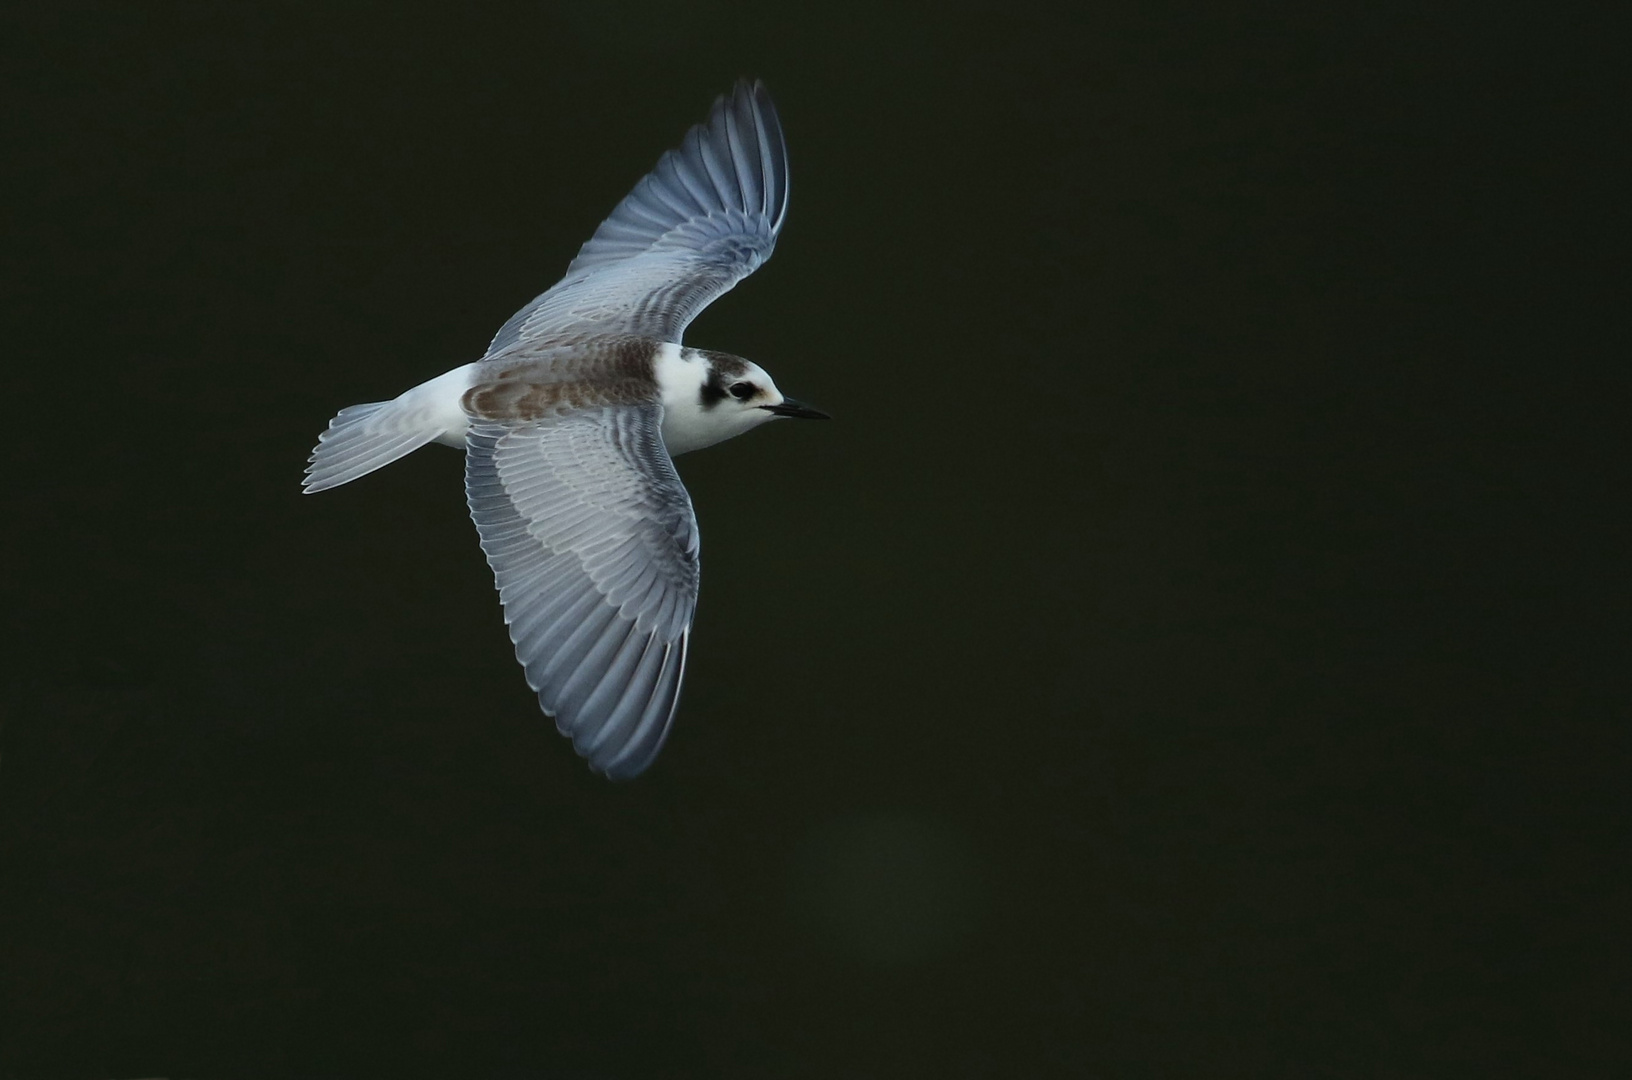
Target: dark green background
(1197,648)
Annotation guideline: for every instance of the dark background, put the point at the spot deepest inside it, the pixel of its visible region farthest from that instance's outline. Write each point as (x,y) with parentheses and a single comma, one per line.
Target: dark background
(1197,648)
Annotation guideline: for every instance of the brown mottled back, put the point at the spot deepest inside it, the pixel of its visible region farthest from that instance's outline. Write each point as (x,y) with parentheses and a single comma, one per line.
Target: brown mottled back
(547,378)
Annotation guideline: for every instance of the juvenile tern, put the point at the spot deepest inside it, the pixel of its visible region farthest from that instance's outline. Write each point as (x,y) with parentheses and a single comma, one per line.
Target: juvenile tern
(571,417)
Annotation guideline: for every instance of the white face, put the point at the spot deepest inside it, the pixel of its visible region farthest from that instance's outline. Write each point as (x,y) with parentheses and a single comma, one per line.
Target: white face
(750,388)
(740,409)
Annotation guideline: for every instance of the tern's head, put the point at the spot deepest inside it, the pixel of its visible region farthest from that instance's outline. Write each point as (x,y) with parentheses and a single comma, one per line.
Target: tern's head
(739,387)
(711,396)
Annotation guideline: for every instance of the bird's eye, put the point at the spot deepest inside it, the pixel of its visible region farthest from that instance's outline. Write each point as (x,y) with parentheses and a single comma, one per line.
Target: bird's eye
(742,391)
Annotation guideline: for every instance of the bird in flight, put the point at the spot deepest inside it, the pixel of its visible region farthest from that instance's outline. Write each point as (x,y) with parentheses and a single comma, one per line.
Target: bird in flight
(571,418)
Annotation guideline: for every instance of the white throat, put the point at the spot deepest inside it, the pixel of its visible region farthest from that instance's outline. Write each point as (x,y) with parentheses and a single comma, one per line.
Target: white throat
(688,423)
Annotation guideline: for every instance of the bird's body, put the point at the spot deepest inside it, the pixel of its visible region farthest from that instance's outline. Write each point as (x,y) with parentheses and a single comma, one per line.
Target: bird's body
(569,422)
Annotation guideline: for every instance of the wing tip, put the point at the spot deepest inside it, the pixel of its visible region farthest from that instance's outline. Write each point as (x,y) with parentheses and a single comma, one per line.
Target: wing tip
(755,97)
(636,753)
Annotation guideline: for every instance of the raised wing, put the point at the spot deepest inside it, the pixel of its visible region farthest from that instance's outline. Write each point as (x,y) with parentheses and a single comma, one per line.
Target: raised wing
(594,547)
(705,218)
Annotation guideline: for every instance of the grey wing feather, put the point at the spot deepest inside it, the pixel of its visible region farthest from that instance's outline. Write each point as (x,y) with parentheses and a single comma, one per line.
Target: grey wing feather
(594,548)
(705,218)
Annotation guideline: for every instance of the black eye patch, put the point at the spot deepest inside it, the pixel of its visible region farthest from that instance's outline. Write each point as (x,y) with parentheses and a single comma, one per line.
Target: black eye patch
(742,391)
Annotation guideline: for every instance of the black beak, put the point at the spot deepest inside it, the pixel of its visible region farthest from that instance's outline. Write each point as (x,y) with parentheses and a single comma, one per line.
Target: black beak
(797,410)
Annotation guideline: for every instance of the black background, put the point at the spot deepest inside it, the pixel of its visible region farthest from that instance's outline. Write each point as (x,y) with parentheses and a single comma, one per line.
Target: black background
(1197,648)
